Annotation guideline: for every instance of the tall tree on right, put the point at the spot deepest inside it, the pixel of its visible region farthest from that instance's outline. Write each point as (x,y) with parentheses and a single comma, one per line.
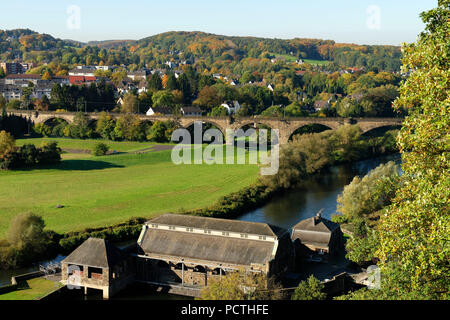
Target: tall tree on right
(415,233)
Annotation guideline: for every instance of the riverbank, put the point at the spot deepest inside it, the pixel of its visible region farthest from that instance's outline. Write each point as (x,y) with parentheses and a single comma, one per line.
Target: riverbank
(230,205)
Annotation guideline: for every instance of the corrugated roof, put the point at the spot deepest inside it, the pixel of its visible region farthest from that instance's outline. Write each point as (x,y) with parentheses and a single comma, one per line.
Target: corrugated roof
(219,224)
(95,252)
(206,247)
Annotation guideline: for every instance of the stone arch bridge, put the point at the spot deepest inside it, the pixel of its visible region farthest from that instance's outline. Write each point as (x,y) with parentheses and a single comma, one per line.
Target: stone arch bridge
(286,126)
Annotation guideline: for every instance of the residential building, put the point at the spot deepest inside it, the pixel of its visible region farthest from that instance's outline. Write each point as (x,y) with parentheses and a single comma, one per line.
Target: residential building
(191,111)
(231,106)
(165,111)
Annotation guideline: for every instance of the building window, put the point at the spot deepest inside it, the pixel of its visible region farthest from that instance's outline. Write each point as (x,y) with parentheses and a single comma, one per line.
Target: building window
(171,228)
(154,226)
(95,273)
(243,235)
(262,237)
(225,233)
(189,229)
(208,231)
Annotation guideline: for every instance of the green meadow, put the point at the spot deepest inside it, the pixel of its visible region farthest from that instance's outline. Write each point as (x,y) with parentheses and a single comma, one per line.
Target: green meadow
(33,289)
(103,191)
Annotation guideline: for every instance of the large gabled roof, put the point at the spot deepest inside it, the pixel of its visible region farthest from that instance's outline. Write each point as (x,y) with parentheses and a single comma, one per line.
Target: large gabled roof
(95,252)
(228,225)
(216,249)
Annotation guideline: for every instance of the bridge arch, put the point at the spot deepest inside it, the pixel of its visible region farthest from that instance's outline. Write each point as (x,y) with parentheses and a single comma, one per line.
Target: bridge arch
(52,121)
(206,124)
(307,128)
(381,130)
(251,124)
(44,118)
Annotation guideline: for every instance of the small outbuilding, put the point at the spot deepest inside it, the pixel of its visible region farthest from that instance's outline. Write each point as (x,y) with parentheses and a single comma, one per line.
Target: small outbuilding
(97,264)
(317,235)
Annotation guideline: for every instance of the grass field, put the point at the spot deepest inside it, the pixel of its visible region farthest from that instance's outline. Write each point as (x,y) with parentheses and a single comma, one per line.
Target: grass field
(31,290)
(102,191)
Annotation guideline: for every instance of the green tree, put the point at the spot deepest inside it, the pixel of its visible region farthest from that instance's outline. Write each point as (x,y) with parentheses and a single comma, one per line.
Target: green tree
(364,196)
(163,99)
(346,142)
(157,132)
(414,244)
(80,127)
(218,112)
(155,82)
(105,126)
(242,286)
(310,289)
(172,83)
(100,149)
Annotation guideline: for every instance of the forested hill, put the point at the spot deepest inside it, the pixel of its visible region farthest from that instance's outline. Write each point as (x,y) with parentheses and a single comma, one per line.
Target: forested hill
(208,51)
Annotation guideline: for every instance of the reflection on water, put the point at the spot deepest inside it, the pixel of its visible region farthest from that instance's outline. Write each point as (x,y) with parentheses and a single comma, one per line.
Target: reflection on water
(318,192)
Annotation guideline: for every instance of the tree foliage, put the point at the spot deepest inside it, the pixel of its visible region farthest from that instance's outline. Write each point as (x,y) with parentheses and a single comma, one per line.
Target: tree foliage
(240,285)
(414,234)
(370,193)
(311,289)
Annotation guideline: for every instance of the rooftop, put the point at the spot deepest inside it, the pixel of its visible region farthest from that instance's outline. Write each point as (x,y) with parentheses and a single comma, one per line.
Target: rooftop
(95,252)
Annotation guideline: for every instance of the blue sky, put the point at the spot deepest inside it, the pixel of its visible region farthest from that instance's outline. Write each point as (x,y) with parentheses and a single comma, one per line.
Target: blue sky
(339,20)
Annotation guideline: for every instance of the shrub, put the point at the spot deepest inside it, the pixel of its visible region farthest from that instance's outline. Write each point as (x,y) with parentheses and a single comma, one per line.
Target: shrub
(339,218)
(100,149)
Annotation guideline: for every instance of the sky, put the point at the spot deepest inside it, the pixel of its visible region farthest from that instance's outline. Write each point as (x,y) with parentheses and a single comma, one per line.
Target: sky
(350,21)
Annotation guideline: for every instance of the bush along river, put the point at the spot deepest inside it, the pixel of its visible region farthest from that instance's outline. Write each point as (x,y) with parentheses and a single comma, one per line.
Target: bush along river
(317,193)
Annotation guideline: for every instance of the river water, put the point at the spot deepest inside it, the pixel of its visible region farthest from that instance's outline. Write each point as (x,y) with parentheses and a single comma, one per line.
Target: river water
(317,193)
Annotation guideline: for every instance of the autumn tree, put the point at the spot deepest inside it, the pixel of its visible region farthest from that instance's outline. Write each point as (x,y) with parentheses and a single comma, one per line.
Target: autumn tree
(130,104)
(7,143)
(47,76)
(208,98)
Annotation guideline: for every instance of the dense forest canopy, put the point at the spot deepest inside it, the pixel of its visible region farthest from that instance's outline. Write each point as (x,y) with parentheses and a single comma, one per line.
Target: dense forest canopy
(203,49)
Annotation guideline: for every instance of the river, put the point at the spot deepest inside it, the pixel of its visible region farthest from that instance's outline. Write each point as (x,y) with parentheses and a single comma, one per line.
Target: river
(317,193)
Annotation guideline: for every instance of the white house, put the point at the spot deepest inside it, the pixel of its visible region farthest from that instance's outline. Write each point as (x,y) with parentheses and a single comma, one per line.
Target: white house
(231,106)
(166,111)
